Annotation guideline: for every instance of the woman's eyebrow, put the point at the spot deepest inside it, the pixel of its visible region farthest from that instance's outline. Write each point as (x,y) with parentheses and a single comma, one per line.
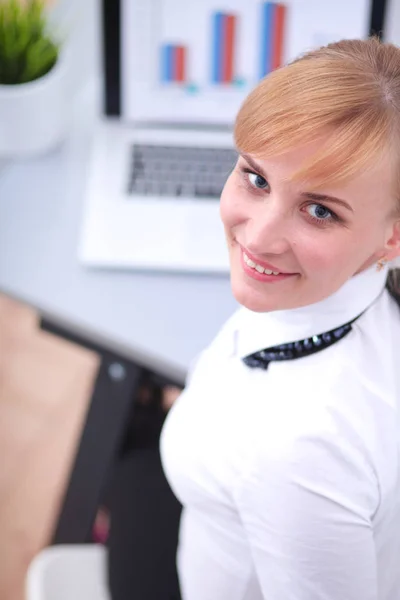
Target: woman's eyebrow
(326,198)
(254,165)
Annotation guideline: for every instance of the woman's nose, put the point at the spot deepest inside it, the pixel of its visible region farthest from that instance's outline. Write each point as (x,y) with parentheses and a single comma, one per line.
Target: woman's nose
(268,231)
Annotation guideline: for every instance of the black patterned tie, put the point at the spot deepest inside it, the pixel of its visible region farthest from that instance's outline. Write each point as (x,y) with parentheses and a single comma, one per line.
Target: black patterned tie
(299,349)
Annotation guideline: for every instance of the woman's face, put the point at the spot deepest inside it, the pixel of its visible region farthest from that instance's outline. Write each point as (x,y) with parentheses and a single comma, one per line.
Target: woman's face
(317,240)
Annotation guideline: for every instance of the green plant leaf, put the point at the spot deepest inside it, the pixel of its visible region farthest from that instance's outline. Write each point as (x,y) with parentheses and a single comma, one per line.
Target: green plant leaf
(27,50)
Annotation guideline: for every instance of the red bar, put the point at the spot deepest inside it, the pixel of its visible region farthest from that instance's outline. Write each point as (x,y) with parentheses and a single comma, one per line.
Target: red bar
(228,48)
(180,64)
(278,35)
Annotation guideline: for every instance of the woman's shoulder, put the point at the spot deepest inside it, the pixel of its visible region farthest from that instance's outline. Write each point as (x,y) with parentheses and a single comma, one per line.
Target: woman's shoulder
(370,362)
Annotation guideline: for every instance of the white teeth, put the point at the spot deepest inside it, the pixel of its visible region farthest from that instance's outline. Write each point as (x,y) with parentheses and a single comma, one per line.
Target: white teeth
(257,267)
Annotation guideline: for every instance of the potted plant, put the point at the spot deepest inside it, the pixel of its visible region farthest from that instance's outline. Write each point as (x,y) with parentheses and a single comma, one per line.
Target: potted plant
(34,95)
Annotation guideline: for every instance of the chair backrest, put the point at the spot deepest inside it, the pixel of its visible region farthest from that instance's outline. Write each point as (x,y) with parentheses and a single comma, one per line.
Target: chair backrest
(73,572)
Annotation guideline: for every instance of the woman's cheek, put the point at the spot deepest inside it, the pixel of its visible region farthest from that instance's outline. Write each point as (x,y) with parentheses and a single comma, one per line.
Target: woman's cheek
(231,205)
(316,255)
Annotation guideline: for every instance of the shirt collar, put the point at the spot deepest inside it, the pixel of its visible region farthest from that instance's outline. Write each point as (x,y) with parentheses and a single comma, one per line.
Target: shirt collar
(256,331)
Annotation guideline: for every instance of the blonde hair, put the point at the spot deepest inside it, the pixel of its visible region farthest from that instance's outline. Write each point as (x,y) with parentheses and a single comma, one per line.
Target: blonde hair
(346,93)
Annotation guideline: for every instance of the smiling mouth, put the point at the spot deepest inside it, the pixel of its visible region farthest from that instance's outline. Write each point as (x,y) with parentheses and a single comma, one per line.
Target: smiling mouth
(262,267)
(259,268)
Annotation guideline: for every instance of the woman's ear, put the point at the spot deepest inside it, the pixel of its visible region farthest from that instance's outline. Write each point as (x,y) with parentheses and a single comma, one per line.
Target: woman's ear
(392,245)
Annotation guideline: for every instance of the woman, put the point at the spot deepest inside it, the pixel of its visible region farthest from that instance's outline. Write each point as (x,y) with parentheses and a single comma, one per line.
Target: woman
(284,449)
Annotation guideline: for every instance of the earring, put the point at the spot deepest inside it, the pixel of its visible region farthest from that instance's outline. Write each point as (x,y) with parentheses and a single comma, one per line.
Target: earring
(380,264)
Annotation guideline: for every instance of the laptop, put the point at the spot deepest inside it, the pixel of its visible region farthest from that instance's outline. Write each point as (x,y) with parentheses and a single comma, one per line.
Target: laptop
(175,75)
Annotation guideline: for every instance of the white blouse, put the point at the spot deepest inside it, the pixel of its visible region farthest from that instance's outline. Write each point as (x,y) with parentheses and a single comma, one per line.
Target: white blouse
(289,477)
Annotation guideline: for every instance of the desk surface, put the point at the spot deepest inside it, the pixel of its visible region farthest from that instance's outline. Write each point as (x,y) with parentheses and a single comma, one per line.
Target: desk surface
(161,320)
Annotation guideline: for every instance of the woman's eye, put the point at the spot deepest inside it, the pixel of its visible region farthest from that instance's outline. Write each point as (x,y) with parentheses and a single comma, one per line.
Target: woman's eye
(317,211)
(257,181)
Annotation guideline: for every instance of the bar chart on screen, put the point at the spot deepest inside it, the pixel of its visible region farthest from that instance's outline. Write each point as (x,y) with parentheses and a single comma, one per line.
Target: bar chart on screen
(196,60)
(223,33)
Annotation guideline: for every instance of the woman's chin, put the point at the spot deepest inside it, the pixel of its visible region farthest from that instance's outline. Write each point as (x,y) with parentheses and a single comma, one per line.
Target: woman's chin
(250,298)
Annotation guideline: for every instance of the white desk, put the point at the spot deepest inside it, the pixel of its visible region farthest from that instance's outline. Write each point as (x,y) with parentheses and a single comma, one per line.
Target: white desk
(158,321)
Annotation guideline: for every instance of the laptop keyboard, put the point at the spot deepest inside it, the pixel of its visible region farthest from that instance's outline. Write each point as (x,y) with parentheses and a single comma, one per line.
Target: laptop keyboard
(179,171)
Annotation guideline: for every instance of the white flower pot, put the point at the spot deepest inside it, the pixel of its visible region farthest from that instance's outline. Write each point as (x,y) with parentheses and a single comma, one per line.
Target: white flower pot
(34,116)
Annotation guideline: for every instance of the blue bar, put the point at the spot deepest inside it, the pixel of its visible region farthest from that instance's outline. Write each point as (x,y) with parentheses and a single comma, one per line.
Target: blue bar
(267,23)
(167,62)
(216,65)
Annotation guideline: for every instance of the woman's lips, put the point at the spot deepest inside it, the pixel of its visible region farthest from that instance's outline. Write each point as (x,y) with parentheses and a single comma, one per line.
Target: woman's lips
(257,271)
(262,263)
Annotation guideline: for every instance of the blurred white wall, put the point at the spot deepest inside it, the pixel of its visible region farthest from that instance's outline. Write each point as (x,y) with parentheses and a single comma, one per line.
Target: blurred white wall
(392,22)
(78,21)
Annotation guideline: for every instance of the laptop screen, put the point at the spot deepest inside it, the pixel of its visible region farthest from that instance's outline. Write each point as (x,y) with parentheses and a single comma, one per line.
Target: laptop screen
(194,61)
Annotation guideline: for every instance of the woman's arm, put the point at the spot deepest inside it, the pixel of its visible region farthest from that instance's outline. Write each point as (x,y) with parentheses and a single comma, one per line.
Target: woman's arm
(307,516)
